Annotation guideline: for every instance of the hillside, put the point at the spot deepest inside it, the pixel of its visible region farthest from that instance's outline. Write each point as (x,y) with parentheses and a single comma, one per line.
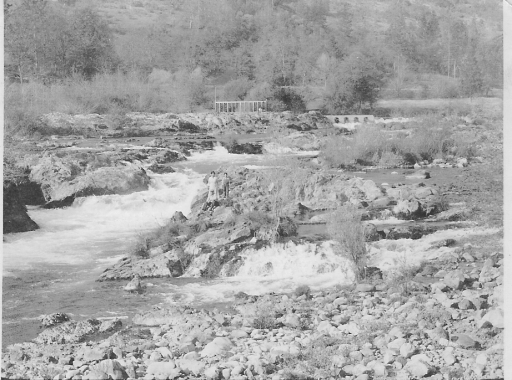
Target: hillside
(160,56)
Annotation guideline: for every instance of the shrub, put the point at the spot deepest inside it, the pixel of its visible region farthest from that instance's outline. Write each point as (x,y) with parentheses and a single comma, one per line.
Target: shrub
(257,219)
(432,138)
(265,317)
(286,100)
(366,147)
(141,249)
(303,290)
(344,226)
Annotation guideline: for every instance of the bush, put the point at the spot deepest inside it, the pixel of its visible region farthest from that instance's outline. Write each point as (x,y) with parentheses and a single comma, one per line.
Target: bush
(111,93)
(141,249)
(366,147)
(303,290)
(286,100)
(265,317)
(344,226)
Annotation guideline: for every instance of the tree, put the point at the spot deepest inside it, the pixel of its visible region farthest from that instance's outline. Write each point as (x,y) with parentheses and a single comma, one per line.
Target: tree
(358,79)
(92,50)
(25,32)
(471,75)
(345,227)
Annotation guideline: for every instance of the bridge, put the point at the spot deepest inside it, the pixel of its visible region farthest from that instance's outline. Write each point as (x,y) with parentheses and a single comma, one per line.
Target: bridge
(241,106)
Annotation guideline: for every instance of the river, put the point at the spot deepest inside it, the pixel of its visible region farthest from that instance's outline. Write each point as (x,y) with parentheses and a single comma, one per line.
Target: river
(54,268)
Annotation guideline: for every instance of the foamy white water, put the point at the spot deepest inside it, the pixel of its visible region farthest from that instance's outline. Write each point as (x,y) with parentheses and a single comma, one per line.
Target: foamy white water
(94,226)
(393,254)
(220,155)
(280,268)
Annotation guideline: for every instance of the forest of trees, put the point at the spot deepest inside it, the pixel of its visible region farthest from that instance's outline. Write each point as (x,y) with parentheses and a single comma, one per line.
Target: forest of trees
(289,51)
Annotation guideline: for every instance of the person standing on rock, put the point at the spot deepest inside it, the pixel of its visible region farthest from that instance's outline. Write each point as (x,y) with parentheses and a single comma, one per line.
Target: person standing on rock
(225,185)
(213,191)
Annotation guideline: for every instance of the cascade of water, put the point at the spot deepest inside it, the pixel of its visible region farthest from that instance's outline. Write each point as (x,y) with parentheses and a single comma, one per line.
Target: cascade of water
(108,223)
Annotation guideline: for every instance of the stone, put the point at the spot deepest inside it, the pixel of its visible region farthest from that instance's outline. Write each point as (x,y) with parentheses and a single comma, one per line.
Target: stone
(481,359)
(364,288)
(189,366)
(406,350)
(325,326)
(216,347)
(110,325)
(97,375)
(226,373)
(449,359)
(212,373)
(464,341)
(238,334)
(494,318)
(396,332)
(108,366)
(465,304)
(292,320)
(379,369)
(91,354)
(396,344)
(340,301)
(167,369)
(417,368)
(134,285)
(53,319)
(454,279)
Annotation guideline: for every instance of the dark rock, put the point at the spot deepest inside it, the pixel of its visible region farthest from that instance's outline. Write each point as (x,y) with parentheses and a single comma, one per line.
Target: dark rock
(188,126)
(246,148)
(464,341)
(287,227)
(160,169)
(30,193)
(68,332)
(241,296)
(371,233)
(429,270)
(15,214)
(178,217)
(372,273)
(53,319)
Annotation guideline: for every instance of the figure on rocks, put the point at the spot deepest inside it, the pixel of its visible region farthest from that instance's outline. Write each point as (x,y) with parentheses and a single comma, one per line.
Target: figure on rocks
(225,185)
(213,190)
(213,193)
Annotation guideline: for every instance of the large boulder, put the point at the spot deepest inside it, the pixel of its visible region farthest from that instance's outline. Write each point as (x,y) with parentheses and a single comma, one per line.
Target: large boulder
(15,214)
(63,180)
(167,264)
(68,332)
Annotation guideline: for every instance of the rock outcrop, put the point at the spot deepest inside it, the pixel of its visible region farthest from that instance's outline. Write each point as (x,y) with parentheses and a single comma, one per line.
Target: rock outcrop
(62,180)
(146,124)
(212,243)
(15,216)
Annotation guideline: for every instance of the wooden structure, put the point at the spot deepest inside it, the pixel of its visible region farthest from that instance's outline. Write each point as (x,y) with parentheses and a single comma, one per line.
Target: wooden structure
(241,106)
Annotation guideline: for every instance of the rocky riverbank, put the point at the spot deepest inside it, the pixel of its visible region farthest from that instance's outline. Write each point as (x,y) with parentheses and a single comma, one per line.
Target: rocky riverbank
(149,124)
(442,321)
(438,314)
(64,166)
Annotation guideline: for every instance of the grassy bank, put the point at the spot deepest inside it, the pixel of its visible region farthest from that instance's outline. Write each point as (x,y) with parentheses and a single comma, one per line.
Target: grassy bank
(113,94)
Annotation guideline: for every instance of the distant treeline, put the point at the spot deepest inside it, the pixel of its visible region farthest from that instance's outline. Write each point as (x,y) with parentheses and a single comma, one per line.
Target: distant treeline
(290,52)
